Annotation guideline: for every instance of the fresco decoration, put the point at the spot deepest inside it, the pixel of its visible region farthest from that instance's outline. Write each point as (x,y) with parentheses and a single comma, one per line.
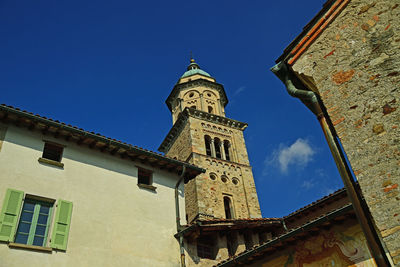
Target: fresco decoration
(340,248)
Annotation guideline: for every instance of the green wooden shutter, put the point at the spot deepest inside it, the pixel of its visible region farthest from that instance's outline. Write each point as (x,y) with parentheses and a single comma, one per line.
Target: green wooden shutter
(9,214)
(61,225)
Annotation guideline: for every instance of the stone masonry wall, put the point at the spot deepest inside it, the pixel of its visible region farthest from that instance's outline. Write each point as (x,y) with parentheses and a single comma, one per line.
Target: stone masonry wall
(182,149)
(232,178)
(355,66)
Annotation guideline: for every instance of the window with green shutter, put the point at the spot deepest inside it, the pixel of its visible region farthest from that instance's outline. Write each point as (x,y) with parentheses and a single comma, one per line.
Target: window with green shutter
(27,221)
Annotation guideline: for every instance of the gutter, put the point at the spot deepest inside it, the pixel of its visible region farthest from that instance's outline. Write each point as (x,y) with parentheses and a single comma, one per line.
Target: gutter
(297,89)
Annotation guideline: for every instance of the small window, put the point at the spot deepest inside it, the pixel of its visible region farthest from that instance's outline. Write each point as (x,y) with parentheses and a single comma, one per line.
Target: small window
(191,94)
(144,177)
(194,107)
(210,109)
(52,152)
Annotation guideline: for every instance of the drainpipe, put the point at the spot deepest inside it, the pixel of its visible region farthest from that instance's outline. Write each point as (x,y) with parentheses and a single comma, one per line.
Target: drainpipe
(311,100)
(178,218)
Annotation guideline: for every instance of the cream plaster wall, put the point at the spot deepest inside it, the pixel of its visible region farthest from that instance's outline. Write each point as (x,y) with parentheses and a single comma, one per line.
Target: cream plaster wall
(114,222)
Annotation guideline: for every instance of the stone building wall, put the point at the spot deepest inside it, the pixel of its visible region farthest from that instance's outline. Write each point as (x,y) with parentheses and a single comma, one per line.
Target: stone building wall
(233,178)
(181,148)
(355,67)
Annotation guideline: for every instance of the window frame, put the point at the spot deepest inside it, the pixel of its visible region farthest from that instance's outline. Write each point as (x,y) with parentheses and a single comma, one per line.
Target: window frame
(50,161)
(38,203)
(148,172)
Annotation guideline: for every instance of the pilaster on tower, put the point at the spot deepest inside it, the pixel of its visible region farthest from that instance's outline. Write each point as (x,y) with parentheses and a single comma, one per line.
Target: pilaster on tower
(204,136)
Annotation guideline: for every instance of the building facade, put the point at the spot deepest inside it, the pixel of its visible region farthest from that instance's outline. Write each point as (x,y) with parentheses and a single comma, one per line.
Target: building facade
(348,56)
(74,198)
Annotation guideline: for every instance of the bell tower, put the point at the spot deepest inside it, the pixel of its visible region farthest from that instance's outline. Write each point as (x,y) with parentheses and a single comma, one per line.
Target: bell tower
(203,136)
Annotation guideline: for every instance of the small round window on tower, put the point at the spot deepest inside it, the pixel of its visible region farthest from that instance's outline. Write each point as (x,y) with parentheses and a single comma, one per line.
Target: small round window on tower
(213,176)
(208,94)
(224,178)
(191,94)
(235,181)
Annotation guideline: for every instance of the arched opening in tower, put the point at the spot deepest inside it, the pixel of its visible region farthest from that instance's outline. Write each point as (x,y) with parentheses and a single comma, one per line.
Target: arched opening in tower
(207,141)
(228,208)
(226,149)
(217,144)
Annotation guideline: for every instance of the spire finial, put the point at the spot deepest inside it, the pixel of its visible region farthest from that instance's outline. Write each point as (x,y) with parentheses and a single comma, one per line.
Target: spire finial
(191,57)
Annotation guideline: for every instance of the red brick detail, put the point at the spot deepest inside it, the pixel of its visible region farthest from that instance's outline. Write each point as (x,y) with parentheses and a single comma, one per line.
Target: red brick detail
(343,76)
(387,27)
(329,54)
(336,122)
(390,188)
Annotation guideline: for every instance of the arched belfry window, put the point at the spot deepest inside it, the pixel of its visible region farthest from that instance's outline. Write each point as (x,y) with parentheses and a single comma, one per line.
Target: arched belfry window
(207,141)
(210,109)
(217,144)
(226,149)
(228,208)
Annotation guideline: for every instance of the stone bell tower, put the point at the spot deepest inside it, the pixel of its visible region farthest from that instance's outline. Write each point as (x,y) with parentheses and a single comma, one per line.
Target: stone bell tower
(203,136)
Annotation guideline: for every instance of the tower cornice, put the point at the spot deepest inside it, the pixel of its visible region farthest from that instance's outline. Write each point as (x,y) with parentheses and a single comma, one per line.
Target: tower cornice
(194,83)
(191,112)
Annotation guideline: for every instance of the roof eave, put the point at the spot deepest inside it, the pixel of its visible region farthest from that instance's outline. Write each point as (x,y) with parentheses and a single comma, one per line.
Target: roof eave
(329,11)
(32,121)
(241,259)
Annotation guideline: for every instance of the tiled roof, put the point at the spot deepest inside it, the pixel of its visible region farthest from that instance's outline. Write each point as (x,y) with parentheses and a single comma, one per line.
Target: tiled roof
(36,121)
(243,220)
(319,201)
(258,250)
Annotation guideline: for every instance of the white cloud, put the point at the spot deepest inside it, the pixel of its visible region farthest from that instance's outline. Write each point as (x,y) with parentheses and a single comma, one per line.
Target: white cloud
(299,154)
(239,90)
(307,184)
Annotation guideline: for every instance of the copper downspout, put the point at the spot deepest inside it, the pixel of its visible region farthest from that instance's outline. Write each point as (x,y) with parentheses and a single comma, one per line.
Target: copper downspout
(178,218)
(312,101)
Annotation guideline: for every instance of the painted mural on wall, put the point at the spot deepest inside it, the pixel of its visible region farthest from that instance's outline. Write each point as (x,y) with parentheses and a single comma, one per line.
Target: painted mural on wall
(339,247)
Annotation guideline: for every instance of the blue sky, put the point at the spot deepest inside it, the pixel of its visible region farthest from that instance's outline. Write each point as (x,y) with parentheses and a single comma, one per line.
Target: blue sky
(108,66)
